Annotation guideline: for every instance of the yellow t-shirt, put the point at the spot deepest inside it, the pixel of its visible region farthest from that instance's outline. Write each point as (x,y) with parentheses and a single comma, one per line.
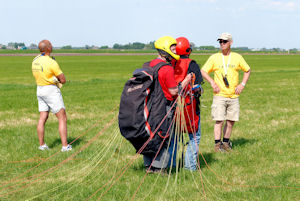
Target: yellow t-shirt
(215,64)
(43,69)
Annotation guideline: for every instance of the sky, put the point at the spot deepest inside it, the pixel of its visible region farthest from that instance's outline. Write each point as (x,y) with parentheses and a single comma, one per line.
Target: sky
(252,23)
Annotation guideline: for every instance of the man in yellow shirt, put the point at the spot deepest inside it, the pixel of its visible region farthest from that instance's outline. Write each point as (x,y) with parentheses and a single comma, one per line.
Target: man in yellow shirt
(226,88)
(49,78)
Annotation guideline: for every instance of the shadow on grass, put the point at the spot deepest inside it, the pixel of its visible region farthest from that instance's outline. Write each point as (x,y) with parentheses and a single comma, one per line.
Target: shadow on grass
(240,142)
(208,159)
(57,142)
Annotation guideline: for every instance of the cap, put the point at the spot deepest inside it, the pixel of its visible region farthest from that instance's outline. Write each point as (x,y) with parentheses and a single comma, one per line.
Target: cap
(225,36)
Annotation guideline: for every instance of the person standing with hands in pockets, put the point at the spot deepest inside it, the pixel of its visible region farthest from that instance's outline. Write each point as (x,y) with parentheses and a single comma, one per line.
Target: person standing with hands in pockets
(226,89)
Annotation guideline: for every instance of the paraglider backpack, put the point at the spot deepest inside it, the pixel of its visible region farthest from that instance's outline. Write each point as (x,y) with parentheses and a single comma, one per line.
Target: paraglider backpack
(142,109)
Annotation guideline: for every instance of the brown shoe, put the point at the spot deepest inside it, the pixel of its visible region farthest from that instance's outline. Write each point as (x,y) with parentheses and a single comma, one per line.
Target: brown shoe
(227,146)
(219,147)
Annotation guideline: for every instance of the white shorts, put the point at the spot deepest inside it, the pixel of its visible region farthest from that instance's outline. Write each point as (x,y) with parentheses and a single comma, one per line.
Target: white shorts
(49,98)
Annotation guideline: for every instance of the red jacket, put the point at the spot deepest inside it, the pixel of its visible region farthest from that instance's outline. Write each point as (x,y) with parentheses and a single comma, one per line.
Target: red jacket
(191,118)
(165,77)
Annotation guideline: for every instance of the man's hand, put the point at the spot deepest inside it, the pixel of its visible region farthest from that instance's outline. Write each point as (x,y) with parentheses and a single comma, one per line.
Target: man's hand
(239,89)
(62,79)
(56,81)
(215,87)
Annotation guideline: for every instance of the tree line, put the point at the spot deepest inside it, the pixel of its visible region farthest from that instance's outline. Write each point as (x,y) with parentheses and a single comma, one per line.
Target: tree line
(141,46)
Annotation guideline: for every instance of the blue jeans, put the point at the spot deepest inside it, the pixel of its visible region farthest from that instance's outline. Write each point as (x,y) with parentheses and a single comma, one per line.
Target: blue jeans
(172,149)
(191,155)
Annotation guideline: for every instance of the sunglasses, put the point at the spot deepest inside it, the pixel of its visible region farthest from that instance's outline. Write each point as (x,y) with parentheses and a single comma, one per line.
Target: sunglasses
(223,41)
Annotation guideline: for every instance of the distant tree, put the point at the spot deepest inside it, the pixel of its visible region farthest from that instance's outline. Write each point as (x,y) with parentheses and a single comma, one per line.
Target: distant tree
(104,47)
(11,44)
(294,50)
(150,45)
(207,48)
(33,46)
(126,46)
(264,49)
(94,47)
(66,47)
(20,45)
(16,45)
(3,47)
(87,47)
(137,45)
(276,49)
(241,49)
(117,46)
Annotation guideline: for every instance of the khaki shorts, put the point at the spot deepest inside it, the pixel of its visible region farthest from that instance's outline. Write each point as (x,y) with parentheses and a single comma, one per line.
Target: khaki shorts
(225,109)
(49,98)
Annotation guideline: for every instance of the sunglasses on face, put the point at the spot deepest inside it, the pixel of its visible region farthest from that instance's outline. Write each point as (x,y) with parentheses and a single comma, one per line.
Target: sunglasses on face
(223,41)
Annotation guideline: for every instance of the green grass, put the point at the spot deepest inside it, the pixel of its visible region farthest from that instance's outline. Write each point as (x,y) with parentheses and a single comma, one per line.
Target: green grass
(264,164)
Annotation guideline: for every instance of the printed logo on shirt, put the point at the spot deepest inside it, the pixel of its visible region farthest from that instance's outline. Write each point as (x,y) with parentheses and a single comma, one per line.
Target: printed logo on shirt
(230,66)
(37,68)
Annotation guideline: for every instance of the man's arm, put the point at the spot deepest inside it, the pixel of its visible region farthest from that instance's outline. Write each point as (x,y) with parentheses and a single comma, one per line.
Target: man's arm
(206,76)
(241,86)
(174,90)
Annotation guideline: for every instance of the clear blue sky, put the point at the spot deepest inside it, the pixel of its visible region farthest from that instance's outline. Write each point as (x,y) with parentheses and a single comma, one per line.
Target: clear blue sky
(253,23)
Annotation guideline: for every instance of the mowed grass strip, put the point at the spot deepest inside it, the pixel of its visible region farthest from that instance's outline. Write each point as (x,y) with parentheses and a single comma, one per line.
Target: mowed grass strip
(264,164)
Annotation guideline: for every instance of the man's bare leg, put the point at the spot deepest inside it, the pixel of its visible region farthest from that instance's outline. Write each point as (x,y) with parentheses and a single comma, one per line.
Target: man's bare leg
(227,146)
(218,130)
(228,128)
(218,133)
(62,126)
(41,126)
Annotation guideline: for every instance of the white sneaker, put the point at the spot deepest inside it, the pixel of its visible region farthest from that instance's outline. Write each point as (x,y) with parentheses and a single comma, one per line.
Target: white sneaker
(66,148)
(43,147)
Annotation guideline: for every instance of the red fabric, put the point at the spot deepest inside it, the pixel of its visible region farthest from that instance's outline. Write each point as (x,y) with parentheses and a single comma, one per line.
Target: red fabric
(190,115)
(165,77)
(181,69)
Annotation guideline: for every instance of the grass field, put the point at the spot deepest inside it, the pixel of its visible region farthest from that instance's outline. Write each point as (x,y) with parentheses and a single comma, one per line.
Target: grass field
(264,164)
